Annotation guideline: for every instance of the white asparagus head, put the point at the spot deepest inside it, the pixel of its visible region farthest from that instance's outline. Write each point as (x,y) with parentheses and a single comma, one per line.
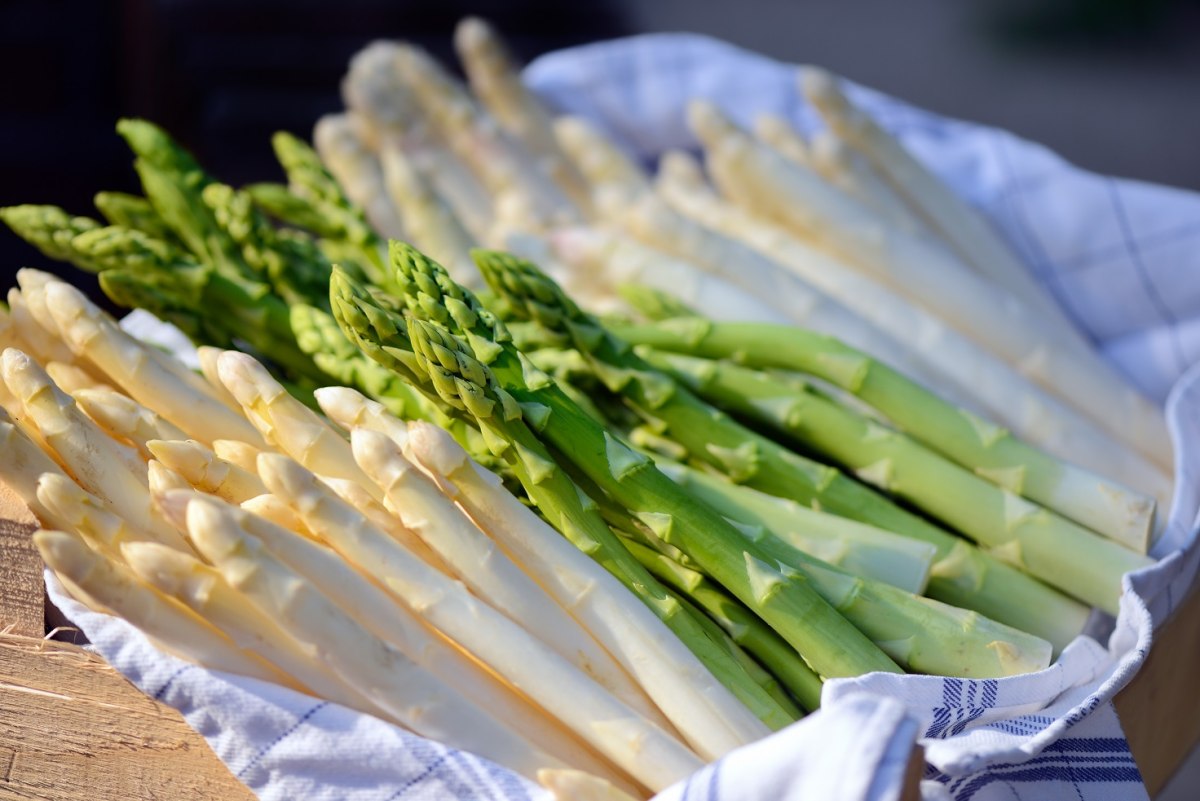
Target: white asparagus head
(207,355)
(163,479)
(72,378)
(234,451)
(22,463)
(206,471)
(340,141)
(286,422)
(775,131)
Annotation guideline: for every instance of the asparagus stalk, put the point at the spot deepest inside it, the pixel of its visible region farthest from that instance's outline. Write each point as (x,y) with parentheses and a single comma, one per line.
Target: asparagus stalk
(507,648)
(965,230)
(165,621)
(204,470)
(760,674)
(614,178)
(22,463)
(718,722)
(286,422)
(857,548)
(404,690)
(71,378)
(747,629)
(131,211)
(483,566)
(123,418)
(710,436)
(202,589)
(496,81)
(991,384)
(833,646)
(152,378)
(995,318)
(379,614)
(51,230)
(989,451)
(112,471)
(339,138)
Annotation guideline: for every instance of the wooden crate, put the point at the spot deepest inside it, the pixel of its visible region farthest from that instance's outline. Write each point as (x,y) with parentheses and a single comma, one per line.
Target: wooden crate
(71,727)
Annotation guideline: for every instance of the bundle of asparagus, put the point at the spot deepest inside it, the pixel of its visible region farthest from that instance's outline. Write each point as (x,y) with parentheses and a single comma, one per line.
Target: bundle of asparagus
(592,549)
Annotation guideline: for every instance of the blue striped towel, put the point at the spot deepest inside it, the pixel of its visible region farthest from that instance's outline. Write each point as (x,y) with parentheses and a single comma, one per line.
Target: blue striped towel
(1120,256)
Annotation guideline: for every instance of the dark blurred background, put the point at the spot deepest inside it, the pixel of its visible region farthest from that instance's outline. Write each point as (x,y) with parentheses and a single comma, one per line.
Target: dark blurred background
(1114,85)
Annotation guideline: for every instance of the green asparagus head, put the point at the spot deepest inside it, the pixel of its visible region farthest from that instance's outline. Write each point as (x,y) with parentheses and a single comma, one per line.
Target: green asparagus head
(380,332)
(286,206)
(156,147)
(116,247)
(131,211)
(463,382)
(431,294)
(307,177)
(52,231)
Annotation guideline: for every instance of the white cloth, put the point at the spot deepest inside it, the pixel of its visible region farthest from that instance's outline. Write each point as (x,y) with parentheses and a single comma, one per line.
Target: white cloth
(1122,257)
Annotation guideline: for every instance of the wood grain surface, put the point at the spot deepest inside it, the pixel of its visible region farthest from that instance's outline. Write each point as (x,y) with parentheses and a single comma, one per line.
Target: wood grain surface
(72,728)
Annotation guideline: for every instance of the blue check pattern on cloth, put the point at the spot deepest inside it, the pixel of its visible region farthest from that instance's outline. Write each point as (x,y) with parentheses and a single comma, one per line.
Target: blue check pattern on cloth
(1121,257)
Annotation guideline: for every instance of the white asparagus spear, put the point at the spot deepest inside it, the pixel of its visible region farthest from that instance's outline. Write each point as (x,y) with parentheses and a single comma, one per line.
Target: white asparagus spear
(700,708)
(500,163)
(204,470)
(149,376)
(617,259)
(350,409)
(478,562)
(124,418)
(497,83)
(375,91)
(71,378)
(967,232)
(76,510)
(234,451)
(382,518)
(40,343)
(931,276)
(776,132)
(556,685)
(33,285)
(286,422)
(379,613)
(207,356)
(22,463)
(653,221)
(338,139)
(202,589)
(998,390)
(614,178)
(104,467)
(276,510)
(163,479)
(166,622)
(406,691)
(432,226)
(850,171)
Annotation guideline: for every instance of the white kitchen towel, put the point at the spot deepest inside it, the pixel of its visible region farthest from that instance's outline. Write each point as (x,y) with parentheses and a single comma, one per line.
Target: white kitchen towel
(1114,253)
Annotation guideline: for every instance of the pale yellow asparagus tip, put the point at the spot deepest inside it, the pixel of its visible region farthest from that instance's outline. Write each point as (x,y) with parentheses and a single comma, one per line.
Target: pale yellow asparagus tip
(163,479)
(208,356)
(71,378)
(576,785)
(683,168)
(206,471)
(234,451)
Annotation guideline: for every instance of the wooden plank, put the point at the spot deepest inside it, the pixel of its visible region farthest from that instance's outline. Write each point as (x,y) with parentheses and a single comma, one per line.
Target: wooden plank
(73,729)
(1160,708)
(21,588)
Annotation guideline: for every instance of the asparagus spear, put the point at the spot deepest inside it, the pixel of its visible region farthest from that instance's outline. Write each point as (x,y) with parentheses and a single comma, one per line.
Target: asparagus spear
(383,335)
(991,384)
(989,451)
(966,580)
(50,230)
(340,139)
(131,211)
(125,419)
(207,472)
(834,647)
(747,629)
(854,547)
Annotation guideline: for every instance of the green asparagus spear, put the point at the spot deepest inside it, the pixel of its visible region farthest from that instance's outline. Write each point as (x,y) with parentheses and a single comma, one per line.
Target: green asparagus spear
(986,449)
(50,230)
(131,211)
(962,576)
